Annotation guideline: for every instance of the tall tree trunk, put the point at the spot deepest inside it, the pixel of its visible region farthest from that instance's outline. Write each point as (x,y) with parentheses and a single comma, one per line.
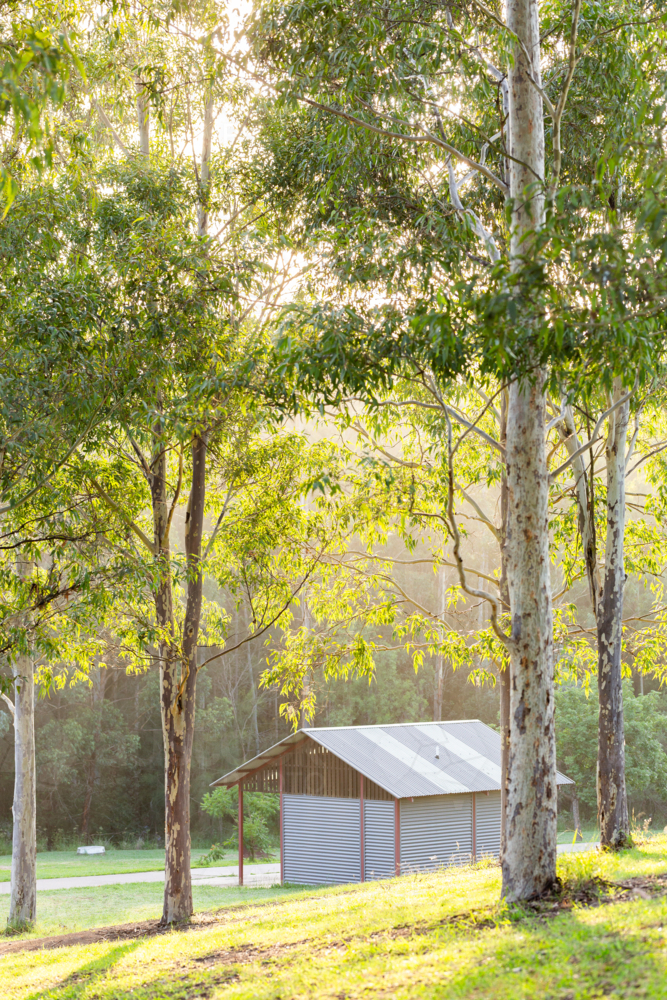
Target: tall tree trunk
(504,673)
(23,898)
(179,680)
(99,685)
(253,686)
(253,689)
(612,798)
(575,817)
(529,854)
(440,665)
(164,615)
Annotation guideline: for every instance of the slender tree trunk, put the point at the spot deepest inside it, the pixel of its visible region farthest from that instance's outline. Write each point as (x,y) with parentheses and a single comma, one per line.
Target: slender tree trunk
(99,685)
(88,796)
(440,665)
(164,614)
(586,517)
(612,798)
(575,817)
(504,673)
(143,119)
(529,854)
(178,689)
(23,898)
(253,686)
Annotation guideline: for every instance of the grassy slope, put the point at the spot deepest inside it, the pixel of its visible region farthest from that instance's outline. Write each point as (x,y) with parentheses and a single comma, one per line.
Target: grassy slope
(65,910)
(383,939)
(66,864)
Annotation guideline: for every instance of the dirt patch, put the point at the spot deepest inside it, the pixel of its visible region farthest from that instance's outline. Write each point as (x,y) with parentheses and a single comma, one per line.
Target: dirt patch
(119,932)
(144,928)
(245,954)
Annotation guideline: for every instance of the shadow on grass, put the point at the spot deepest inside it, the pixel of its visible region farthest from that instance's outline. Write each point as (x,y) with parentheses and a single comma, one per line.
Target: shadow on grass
(566,959)
(78,983)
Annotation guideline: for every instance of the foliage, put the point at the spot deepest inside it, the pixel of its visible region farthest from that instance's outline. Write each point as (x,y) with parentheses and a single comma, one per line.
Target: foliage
(645,738)
(260,812)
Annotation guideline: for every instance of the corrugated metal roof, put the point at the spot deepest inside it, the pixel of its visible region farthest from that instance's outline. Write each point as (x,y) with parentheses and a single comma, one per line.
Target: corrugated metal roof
(406,759)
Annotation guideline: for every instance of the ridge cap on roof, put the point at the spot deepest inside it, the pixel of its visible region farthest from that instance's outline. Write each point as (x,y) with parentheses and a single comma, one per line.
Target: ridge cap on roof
(391,725)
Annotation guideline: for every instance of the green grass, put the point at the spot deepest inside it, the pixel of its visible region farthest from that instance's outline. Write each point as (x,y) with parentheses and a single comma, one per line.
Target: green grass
(442,936)
(63,910)
(66,864)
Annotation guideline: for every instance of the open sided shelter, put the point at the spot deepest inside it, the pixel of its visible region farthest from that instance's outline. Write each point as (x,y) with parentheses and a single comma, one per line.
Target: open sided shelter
(363,802)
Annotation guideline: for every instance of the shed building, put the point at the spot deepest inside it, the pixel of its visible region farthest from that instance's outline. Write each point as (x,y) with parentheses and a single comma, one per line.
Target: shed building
(366,802)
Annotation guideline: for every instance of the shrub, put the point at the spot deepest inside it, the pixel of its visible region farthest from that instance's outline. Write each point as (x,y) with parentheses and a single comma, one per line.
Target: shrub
(260,812)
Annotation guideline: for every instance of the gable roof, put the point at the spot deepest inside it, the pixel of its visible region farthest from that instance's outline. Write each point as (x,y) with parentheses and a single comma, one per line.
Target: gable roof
(406,759)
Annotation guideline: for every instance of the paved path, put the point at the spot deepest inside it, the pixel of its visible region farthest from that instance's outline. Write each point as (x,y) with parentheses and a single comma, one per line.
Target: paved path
(580,845)
(253,875)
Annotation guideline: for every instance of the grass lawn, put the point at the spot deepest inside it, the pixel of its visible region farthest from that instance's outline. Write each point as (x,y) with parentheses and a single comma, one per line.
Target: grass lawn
(65,864)
(441,935)
(66,910)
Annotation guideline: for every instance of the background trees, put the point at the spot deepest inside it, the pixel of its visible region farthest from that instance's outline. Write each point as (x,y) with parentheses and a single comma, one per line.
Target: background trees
(350,217)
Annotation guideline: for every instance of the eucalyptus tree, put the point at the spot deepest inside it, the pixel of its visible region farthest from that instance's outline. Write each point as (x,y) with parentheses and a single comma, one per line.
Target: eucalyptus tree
(191,254)
(541,289)
(57,366)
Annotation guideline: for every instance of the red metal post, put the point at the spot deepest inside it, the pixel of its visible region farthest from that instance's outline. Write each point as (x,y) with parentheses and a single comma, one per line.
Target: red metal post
(240,826)
(361,824)
(397,817)
(282,851)
(474,829)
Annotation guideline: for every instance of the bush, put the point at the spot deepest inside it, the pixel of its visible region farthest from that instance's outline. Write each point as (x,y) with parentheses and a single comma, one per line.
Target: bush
(260,813)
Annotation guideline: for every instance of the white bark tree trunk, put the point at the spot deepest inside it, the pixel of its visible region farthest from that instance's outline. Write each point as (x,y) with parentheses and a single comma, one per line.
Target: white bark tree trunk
(612,797)
(606,591)
(23,899)
(529,852)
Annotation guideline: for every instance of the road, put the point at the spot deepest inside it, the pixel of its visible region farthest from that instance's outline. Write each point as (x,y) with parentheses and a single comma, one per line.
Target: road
(253,875)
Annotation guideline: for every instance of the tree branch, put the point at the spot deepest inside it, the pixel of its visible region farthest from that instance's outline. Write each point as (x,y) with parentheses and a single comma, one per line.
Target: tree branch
(593,438)
(427,137)
(121,513)
(473,592)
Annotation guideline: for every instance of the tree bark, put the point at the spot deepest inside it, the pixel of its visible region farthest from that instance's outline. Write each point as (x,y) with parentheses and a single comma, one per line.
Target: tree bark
(529,852)
(612,797)
(99,681)
(178,688)
(143,119)
(253,686)
(440,665)
(529,855)
(23,898)
(575,817)
(504,673)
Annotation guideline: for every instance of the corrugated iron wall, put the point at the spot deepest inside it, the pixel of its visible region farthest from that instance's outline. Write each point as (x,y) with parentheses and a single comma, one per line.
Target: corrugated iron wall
(487,809)
(322,844)
(321,839)
(379,839)
(436,830)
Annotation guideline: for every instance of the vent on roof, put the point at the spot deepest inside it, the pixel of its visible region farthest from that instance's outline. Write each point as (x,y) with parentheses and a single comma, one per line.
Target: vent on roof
(437,753)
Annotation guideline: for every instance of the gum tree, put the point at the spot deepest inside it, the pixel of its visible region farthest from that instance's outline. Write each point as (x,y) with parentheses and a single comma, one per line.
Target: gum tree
(464,96)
